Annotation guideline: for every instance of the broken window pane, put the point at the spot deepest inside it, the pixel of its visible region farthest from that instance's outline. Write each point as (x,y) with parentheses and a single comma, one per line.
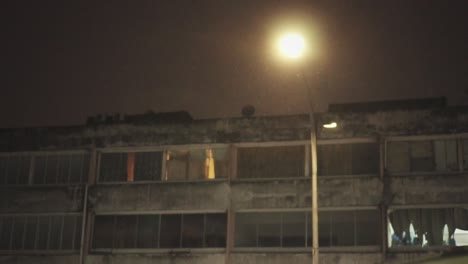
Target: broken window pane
(348,159)
(271,162)
(197,164)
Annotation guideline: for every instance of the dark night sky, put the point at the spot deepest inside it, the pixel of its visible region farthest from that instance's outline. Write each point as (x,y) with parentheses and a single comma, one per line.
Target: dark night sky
(64,60)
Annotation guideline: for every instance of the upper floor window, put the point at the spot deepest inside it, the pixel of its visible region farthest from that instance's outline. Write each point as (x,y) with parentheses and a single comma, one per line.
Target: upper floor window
(167,231)
(197,164)
(40,232)
(422,156)
(465,154)
(271,162)
(131,166)
(14,169)
(348,159)
(44,168)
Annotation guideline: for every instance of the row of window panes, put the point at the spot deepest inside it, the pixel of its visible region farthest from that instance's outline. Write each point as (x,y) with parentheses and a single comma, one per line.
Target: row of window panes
(160,231)
(44,169)
(293,229)
(40,232)
(252,162)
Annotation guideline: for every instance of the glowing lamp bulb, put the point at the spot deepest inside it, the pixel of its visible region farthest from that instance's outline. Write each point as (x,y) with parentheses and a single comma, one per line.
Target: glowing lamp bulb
(330,125)
(292,45)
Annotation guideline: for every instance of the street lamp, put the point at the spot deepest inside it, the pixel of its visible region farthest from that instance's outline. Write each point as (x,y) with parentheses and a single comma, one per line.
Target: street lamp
(292,46)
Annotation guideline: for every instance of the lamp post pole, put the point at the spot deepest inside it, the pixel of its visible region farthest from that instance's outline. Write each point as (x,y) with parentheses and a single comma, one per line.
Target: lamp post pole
(313,162)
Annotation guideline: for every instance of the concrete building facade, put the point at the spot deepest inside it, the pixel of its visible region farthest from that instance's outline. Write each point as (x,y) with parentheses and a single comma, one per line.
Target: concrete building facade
(392,188)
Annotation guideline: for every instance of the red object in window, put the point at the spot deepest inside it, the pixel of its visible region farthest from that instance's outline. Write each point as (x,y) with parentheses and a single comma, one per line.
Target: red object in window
(130,166)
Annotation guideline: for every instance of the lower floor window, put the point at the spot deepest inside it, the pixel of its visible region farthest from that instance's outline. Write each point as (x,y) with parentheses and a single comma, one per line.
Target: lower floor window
(293,229)
(40,232)
(428,227)
(164,231)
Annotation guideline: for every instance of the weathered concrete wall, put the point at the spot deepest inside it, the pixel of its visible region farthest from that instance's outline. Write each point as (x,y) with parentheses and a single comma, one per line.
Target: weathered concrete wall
(160,196)
(333,192)
(206,258)
(41,199)
(71,259)
(278,128)
(429,189)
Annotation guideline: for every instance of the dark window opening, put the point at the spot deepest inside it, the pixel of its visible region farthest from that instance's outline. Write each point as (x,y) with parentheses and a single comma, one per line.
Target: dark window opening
(271,162)
(14,169)
(348,159)
(422,156)
(131,166)
(160,231)
(40,232)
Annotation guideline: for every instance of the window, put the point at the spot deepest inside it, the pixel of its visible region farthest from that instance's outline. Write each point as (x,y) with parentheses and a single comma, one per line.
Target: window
(163,231)
(348,159)
(465,154)
(40,232)
(427,227)
(197,164)
(422,156)
(131,166)
(14,169)
(61,168)
(271,162)
(49,168)
(293,229)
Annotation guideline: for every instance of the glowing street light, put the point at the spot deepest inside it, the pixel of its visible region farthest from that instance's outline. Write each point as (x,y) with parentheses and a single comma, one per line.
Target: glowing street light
(292,45)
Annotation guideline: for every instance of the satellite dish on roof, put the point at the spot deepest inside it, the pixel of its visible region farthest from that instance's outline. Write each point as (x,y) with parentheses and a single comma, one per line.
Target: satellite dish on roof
(248,111)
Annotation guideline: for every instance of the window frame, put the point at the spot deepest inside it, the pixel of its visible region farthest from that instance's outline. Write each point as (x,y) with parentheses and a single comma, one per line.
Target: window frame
(33,155)
(77,235)
(306,211)
(458,138)
(163,150)
(160,250)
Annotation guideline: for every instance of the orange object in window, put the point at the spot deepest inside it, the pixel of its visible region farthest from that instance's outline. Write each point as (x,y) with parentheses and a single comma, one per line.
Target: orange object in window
(130,166)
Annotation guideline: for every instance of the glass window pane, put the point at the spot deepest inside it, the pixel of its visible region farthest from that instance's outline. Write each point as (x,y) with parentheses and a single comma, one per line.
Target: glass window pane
(104,226)
(148,229)
(246,230)
(271,162)
(343,229)
(18,232)
(269,229)
(215,230)
(43,232)
(192,230)
(14,169)
(170,231)
(334,159)
(113,167)
(5,232)
(125,231)
(294,229)
(148,166)
(422,156)
(398,157)
(31,229)
(367,227)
